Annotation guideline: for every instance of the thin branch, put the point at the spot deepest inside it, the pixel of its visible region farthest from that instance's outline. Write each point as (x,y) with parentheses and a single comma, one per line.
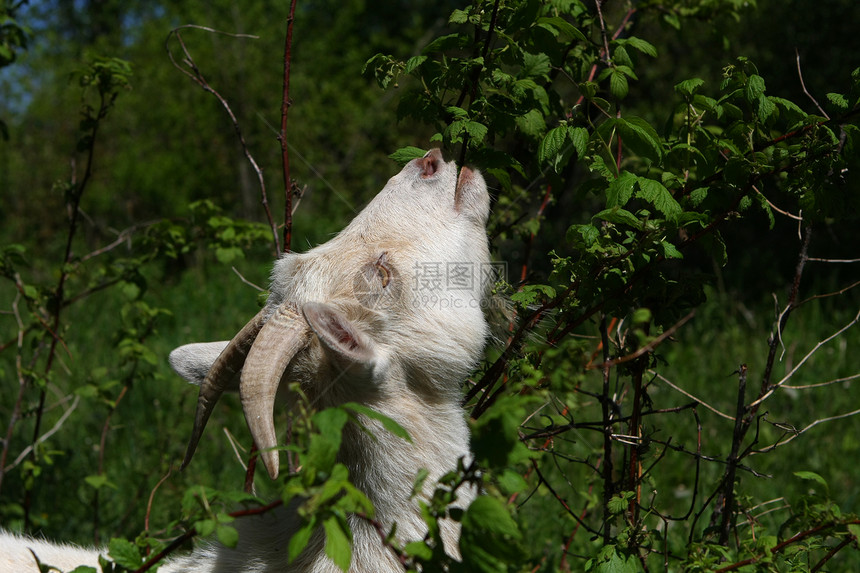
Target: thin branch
(197,77)
(803,85)
(688,395)
(44,437)
(647,348)
(286,102)
(246,281)
(808,355)
(820,384)
(795,433)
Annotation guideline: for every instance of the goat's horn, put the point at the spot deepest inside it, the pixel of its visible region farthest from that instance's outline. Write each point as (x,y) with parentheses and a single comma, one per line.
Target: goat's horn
(284,334)
(225,367)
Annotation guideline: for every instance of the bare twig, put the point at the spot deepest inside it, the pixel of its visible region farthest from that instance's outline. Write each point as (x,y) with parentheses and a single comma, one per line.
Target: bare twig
(190,69)
(688,395)
(795,433)
(246,281)
(803,85)
(803,360)
(44,437)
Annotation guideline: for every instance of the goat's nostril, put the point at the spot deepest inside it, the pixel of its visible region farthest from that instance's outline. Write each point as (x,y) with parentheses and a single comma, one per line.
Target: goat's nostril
(429,165)
(430,162)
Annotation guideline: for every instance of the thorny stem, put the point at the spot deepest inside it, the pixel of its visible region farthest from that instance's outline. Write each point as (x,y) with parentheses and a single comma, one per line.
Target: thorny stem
(605,397)
(77,191)
(788,542)
(728,495)
(745,414)
(282,135)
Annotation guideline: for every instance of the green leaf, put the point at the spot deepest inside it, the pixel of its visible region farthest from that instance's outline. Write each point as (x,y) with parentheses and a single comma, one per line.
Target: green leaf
(386,422)
(337,543)
(490,514)
(689,87)
(535,65)
(299,541)
(413,63)
(406,154)
(552,146)
(765,108)
(754,88)
(125,553)
(227,535)
(620,190)
(563,27)
(619,216)
(99,481)
(670,251)
(838,100)
(655,193)
(638,135)
(812,476)
(418,549)
(458,17)
(579,136)
(531,123)
(618,85)
(641,45)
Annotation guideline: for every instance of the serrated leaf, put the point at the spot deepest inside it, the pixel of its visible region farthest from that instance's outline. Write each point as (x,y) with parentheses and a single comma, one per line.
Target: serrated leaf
(406,154)
(124,553)
(754,88)
(386,422)
(490,514)
(227,535)
(689,87)
(413,63)
(620,190)
(535,65)
(640,136)
(765,108)
(838,100)
(670,251)
(531,123)
(458,17)
(811,476)
(552,146)
(579,136)
(418,549)
(655,193)
(299,541)
(563,26)
(619,216)
(477,132)
(457,112)
(618,85)
(337,543)
(642,45)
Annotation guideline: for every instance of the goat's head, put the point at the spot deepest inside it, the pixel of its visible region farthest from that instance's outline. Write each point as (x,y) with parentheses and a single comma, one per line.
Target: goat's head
(390,306)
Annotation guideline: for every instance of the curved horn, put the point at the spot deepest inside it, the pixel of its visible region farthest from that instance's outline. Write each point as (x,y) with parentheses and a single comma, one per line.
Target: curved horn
(284,334)
(225,367)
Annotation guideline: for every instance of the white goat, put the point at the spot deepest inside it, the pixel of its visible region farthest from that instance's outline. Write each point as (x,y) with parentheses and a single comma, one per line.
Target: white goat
(366,317)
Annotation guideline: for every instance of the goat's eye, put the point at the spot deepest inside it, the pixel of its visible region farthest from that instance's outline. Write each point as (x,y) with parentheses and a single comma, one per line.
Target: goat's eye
(383,270)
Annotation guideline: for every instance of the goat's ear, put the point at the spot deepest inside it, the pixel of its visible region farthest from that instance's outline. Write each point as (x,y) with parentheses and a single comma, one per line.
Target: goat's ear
(193,361)
(342,339)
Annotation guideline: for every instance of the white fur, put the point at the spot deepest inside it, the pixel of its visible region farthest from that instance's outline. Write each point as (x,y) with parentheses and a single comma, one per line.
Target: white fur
(412,346)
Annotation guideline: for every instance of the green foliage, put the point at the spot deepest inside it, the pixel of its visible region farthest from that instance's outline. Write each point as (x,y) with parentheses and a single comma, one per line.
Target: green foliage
(636,182)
